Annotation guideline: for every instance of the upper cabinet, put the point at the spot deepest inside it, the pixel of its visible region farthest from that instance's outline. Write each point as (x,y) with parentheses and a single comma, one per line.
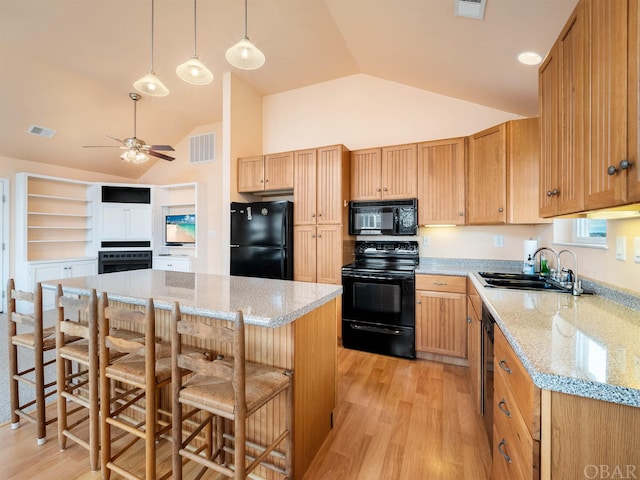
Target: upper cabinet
(384,173)
(441,182)
(266,174)
(589,111)
(487,177)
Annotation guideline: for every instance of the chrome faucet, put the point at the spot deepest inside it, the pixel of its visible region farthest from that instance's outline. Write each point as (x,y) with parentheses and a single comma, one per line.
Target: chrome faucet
(576,285)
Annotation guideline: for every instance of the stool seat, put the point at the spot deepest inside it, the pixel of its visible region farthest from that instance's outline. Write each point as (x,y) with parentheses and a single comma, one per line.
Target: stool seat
(28,339)
(131,368)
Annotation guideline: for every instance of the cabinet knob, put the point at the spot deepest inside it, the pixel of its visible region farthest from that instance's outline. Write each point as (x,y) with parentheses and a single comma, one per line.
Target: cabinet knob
(319,236)
(624,164)
(461,214)
(419,302)
(468,319)
(553,193)
(500,209)
(266,180)
(313,215)
(385,189)
(319,214)
(261,181)
(377,189)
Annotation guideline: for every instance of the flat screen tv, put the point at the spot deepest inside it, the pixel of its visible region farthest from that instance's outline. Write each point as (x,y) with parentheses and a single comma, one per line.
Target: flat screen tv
(180,229)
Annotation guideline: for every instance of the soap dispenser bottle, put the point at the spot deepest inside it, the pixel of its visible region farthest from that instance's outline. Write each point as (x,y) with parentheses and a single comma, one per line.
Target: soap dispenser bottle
(544,268)
(528,266)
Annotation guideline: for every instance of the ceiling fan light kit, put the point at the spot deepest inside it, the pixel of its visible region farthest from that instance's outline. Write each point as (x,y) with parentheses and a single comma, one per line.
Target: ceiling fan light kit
(244,54)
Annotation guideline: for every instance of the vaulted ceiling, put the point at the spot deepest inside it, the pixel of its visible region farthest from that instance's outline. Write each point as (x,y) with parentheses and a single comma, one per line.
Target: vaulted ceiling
(70,64)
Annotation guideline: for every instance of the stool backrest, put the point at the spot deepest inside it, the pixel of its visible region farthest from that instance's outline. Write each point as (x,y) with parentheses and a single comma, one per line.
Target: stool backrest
(84,323)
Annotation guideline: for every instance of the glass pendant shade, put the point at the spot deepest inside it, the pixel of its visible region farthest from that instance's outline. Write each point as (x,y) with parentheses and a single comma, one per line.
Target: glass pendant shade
(245,55)
(151,85)
(134,156)
(194,72)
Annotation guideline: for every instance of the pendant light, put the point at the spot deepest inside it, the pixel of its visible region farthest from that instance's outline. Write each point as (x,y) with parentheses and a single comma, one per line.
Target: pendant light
(193,70)
(150,84)
(244,54)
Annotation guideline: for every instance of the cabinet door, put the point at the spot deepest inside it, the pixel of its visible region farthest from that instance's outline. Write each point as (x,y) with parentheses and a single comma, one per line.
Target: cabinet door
(114,222)
(304,187)
(139,222)
(487,194)
(278,171)
(400,172)
(172,264)
(44,272)
(366,174)
(441,325)
(251,174)
(633,112)
(608,104)
(331,194)
(573,97)
(549,94)
(329,254)
(304,253)
(82,268)
(441,182)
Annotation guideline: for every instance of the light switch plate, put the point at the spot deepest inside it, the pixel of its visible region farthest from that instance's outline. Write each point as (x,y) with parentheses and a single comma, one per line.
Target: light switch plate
(621,248)
(425,241)
(636,249)
(498,241)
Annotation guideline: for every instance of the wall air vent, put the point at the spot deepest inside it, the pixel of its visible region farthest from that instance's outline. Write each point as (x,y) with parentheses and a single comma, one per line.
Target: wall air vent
(41,131)
(202,148)
(469,8)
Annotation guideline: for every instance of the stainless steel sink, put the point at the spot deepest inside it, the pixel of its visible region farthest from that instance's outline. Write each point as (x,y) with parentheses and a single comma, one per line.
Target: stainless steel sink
(520,281)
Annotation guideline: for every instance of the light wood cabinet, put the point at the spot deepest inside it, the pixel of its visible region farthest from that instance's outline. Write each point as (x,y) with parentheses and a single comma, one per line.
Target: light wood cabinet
(441,182)
(441,308)
(589,111)
(268,173)
(321,193)
(474,344)
(385,173)
(487,177)
(516,413)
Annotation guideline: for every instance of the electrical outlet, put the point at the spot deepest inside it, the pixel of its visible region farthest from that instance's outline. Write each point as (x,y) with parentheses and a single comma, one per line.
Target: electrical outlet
(498,241)
(621,248)
(636,249)
(425,241)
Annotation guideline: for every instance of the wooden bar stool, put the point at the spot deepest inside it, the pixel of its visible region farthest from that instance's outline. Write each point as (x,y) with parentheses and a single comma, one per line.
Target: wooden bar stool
(224,389)
(77,344)
(36,340)
(130,386)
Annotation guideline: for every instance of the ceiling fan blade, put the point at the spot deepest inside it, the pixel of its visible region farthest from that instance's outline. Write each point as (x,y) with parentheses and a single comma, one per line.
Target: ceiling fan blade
(161,155)
(162,147)
(116,139)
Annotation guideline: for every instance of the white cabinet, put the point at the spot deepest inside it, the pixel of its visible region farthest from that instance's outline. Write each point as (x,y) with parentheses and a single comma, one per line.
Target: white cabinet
(45,271)
(172,263)
(126,222)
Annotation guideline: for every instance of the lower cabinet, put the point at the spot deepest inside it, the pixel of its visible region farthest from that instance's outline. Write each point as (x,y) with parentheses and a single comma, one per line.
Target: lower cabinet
(172,263)
(516,416)
(43,271)
(441,311)
(318,253)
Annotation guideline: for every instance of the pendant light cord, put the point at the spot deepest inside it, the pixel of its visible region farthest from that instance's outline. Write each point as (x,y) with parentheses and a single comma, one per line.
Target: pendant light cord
(152,16)
(245,19)
(195,37)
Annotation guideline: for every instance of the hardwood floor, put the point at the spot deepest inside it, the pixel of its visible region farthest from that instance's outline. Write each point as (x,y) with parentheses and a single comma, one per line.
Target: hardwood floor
(395,419)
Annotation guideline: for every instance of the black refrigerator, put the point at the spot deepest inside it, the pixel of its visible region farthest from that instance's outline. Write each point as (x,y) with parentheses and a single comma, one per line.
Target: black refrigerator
(262,239)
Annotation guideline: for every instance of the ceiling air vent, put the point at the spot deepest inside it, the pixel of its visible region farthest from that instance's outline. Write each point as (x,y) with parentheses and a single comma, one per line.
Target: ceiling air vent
(41,131)
(470,8)
(202,148)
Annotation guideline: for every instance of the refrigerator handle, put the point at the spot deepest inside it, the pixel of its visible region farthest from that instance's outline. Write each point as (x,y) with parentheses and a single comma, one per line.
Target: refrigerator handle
(234,246)
(249,213)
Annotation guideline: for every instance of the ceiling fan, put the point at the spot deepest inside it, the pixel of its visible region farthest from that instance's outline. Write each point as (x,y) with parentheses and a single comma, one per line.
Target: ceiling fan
(137,151)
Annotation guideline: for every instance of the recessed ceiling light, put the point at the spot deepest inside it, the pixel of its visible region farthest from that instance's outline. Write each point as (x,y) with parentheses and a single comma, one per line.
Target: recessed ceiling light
(41,131)
(529,58)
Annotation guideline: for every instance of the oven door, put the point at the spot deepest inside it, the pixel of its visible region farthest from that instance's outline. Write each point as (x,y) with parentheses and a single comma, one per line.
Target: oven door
(386,298)
(378,313)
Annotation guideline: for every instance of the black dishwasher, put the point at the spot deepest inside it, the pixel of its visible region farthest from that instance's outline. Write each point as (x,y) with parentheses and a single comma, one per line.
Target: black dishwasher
(488,324)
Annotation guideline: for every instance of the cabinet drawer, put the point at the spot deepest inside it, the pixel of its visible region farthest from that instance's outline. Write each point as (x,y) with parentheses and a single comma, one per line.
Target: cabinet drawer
(510,373)
(519,465)
(441,283)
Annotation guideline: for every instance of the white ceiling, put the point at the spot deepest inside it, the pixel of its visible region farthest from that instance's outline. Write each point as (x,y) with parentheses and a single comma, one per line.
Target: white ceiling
(70,64)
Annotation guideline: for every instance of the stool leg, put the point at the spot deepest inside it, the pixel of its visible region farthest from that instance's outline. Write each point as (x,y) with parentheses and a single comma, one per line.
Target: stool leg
(62,365)
(41,420)
(14,387)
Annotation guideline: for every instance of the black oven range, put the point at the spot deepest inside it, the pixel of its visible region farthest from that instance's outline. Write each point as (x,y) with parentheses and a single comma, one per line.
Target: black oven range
(378,314)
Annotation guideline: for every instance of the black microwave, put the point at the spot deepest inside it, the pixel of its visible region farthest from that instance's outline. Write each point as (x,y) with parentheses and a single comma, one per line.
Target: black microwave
(396,217)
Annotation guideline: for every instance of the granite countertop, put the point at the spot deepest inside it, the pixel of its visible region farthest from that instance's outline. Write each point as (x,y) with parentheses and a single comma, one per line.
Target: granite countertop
(264,302)
(587,345)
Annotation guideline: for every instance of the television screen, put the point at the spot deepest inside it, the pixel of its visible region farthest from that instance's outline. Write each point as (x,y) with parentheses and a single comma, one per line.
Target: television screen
(180,229)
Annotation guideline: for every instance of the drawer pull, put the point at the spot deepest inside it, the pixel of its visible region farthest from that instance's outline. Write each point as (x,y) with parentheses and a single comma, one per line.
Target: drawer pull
(443,284)
(506,457)
(504,410)
(503,365)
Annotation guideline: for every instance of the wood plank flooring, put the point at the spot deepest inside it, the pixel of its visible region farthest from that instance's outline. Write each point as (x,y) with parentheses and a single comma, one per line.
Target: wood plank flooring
(395,419)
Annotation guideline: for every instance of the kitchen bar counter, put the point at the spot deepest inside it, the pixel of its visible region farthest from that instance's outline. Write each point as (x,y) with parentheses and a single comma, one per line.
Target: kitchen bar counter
(264,302)
(290,325)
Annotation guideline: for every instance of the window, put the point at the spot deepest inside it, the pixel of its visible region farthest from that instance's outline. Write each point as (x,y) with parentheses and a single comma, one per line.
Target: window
(582,232)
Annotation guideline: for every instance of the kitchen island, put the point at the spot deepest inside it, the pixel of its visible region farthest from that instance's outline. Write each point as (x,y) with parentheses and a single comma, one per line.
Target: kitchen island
(290,325)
